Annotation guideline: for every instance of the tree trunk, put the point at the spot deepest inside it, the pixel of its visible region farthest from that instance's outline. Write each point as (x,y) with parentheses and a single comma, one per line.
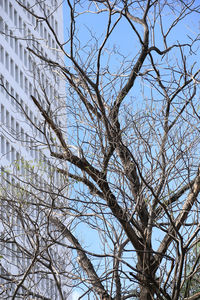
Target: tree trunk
(145,294)
(146,277)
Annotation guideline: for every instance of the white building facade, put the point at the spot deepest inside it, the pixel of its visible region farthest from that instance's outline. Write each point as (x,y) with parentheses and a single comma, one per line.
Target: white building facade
(32,263)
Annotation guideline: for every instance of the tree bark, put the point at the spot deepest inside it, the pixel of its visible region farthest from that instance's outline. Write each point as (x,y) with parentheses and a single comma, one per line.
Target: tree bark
(145,294)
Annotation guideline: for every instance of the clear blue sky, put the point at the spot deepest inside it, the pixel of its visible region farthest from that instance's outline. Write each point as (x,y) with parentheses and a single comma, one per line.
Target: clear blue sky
(125,40)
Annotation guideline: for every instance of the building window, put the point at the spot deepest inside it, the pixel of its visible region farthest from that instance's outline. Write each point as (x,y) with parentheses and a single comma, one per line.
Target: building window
(41,29)
(17,156)
(57,52)
(24,4)
(45,34)
(30,89)
(36,154)
(10,11)
(12,67)
(49,40)
(12,95)
(31,147)
(16,45)
(24,27)
(26,109)
(1,24)
(26,85)
(47,88)
(42,79)
(32,18)
(15,18)
(6,5)
(2,82)
(28,11)
(35,125)
(29,37)
(51,91)
(33,42)
(22,135)
(11,39)
(6,32)
(2,114)
(30,63)
(53,46)
(1,54)
(7,89)
(25,57)
(17,101)
(52,22)
(20,24)
(56,27)
(27,140)
(12,154)
(7,61)
(7,150)
(31,118)
(20,52)
(12,125)
(42,51)
(22,106)
(35,93)
(2,144)
(16,73)
(17,128)
(7,119)
(21,79)
(37,46)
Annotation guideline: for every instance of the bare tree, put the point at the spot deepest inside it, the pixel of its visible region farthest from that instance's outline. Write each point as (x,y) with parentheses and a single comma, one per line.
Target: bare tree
(128,154)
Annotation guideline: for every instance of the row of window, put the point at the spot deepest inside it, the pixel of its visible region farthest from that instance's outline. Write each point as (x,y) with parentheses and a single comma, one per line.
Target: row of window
(14,255)
(18,75)
(13,156)
(10,250)
(45,11)
(22,108)
(17,102)
(9,151)
(22,26)
(19,50)
(32,42)
(31,175)
(16,130)
(13,68)
(11,11)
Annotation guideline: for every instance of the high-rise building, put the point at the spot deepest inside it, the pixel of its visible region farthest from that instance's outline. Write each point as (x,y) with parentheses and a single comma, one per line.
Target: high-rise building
(32,266)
